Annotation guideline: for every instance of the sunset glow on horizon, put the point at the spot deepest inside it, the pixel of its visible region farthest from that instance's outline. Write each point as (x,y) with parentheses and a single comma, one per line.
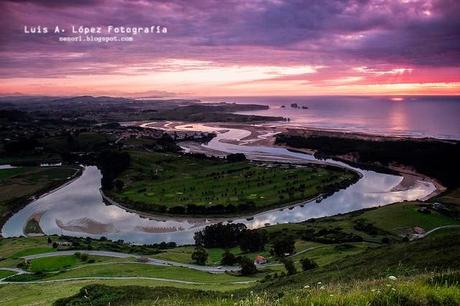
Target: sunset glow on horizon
(262,48)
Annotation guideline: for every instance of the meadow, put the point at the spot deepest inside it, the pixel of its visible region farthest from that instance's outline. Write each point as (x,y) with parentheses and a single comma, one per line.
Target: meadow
(182,184)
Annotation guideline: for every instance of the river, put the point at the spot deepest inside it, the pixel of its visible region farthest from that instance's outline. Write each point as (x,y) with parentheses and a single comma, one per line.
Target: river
(77,209)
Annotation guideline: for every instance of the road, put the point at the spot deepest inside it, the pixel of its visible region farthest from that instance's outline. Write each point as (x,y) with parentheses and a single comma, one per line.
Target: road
(306,250)
(148,260)
(118,278)
(106,278)
(17,270)
(438,228)
(151,261)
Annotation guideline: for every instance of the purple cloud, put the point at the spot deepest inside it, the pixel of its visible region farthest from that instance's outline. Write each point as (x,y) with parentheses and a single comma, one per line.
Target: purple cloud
(354,32)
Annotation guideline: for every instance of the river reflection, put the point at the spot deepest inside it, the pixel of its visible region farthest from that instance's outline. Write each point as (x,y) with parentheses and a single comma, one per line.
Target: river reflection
(77,209)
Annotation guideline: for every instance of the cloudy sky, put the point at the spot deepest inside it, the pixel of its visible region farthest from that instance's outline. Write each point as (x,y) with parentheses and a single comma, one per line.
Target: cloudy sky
(234,47)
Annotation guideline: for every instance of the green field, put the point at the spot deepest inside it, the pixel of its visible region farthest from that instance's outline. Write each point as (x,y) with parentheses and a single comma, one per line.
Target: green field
(17,247)
(144,270)
(55,263)
(6,273)
(391,221)
(183,254)
(33,251)
(17,185)
(47,293)
(171,183)
(389,218)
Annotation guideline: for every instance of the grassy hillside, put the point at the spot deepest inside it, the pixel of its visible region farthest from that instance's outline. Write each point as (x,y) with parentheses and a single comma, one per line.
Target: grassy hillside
(384,292)
(415,273)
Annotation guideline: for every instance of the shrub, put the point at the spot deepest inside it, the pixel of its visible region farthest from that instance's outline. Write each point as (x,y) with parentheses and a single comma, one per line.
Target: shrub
(363,225)
(228,259)
(247,266)
(24,264)
(308,264)
(289,266)
(283,245)
(200,255)
(330,235)
(236,157)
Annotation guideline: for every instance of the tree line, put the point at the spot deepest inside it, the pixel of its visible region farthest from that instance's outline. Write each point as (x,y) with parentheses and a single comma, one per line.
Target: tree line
(438,159)
(230,235)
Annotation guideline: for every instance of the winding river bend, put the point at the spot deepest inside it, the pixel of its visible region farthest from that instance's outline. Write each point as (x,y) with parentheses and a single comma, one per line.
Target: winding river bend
(77,209)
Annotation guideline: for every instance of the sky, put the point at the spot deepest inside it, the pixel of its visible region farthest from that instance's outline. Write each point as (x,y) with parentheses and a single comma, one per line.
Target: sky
(233,48)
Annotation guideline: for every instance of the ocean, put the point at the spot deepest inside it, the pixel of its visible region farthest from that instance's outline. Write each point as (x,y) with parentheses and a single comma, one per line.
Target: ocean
(413,116)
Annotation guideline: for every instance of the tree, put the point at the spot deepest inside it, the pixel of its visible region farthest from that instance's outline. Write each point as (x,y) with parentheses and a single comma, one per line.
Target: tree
(289,266)
(200,255)
(308,264)
(253,240)
(283,245)
(111,164)
(228,259)
(247,266)
(220,235)
(167,144)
